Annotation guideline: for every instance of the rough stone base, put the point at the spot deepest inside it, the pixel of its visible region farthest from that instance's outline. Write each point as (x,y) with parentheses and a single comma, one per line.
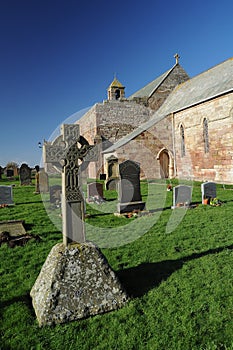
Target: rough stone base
(74,283)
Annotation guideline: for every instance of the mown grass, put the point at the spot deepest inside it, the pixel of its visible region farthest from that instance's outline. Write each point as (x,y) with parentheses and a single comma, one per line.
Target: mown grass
(180,280)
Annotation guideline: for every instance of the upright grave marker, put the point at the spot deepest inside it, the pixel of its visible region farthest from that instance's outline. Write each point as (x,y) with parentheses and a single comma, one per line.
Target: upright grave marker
(95,192)
(75,280)
(6,195)
(208,191)
(129,187)
(182,196)
(25,175)
(64,153)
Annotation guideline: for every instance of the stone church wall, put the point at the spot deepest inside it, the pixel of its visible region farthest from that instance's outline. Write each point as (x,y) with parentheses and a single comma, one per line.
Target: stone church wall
(111,120)
(145,148)
(217,164)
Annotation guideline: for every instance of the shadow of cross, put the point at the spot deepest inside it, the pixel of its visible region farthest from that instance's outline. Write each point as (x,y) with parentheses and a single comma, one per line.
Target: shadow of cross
(68,153)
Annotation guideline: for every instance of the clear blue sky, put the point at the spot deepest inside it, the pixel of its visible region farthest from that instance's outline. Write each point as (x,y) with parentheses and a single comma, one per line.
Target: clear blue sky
(59,56)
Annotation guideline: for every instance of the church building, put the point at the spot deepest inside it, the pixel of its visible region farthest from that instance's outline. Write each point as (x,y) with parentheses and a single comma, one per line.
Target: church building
(175,126)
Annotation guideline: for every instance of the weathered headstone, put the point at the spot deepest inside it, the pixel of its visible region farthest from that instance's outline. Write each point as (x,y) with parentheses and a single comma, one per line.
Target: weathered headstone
(14,227)
(182,196)
(112,179)
(43,181)
(55,194)
(64,153)
(9,172)
(6,195)
(95,192)
(37,183)
(75,280)
(208,191)
(25,175)
(129,194)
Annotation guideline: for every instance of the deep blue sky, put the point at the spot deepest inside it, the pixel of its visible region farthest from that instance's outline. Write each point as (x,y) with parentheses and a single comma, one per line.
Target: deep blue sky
(59,56)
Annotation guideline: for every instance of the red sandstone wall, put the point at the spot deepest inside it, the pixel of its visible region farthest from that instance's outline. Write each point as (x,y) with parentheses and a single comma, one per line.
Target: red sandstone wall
(217,165)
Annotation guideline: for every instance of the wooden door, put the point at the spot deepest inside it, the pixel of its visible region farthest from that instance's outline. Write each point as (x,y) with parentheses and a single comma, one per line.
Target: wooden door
(164,164)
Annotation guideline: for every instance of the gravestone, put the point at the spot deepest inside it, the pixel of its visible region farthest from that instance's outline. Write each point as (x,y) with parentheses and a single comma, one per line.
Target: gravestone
(25,175)
(95,192)
(55,194)
(43,181)
(37,183)
(208,191)
(182,196)
(6,195)
(75,281)
(112,173)
(9,172)
(129,194)
(14,227)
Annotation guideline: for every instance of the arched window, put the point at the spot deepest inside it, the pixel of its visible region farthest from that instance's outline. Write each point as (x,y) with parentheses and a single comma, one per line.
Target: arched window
(206,135)
(182,141)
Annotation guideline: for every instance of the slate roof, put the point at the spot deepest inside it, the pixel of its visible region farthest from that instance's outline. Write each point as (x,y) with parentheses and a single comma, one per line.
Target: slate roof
(205,86)
(148,90)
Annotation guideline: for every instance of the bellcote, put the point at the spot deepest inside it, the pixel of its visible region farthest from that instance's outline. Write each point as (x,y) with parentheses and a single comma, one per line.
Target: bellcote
(116,90)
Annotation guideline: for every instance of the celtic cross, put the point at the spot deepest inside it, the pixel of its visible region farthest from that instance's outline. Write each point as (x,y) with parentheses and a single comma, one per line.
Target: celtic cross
(64,153)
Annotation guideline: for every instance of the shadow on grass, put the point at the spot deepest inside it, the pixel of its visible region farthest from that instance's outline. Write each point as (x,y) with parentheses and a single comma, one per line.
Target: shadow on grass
(140,279)
(25,299)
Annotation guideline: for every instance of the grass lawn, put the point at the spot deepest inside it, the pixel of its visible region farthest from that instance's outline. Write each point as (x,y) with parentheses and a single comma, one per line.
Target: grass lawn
(179,274)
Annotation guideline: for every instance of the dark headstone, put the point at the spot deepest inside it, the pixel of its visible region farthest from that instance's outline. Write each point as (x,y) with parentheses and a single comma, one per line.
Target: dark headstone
(25,175)
(9,172)
(208,190)
(102,176)
(6,196)
(182,196)
(129,194)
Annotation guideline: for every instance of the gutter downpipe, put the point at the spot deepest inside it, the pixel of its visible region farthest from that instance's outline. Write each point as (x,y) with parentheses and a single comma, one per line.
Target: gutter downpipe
(173,144)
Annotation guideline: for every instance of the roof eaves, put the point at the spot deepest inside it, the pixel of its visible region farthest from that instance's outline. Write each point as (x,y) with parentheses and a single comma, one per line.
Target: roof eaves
(202,101)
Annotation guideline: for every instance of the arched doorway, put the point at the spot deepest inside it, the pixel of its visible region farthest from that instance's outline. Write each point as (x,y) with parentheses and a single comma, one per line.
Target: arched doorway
(164,164)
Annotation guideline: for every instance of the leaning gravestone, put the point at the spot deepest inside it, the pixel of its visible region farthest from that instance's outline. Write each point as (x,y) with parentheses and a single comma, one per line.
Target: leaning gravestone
(182,196)
(95,192)
(208,190)
(130,198)
(25,175)
(75,280)
(6,195)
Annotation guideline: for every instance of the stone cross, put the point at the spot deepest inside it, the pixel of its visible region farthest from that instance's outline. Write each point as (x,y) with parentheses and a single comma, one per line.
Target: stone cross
(176,56)
(65,154)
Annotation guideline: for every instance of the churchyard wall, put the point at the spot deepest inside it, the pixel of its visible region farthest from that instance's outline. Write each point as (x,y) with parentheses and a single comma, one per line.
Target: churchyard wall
(216,164)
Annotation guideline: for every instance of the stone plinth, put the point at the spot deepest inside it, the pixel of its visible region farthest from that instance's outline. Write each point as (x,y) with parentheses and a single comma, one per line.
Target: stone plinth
(75,282)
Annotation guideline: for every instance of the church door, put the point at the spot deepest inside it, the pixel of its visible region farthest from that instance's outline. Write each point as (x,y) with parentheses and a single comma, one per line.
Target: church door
(164,164)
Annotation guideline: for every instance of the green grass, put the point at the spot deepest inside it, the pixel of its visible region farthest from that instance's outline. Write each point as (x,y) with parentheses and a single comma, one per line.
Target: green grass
(180,281)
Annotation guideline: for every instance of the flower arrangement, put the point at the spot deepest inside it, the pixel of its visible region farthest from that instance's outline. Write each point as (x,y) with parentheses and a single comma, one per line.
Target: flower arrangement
(215,202)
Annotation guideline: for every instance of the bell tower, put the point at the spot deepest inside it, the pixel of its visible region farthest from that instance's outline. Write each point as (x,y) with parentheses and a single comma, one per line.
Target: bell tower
(116,90)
